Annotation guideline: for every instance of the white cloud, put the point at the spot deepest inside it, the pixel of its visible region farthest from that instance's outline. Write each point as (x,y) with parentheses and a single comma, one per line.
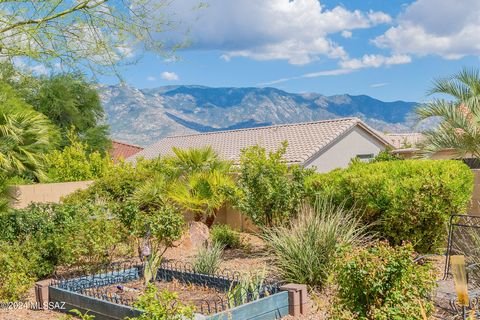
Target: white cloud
(448,28)
(151,78)
(351,65)
(346,34)
(378,85)
(169,76)
(297,31)
(374,61)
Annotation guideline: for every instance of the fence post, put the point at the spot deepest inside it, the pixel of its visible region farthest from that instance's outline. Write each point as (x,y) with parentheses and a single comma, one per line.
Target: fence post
(297,298)
(41,292)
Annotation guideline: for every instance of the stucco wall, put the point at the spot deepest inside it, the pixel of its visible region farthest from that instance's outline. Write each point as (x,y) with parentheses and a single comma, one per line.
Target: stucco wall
(475,206)
(339,154)
(44,192)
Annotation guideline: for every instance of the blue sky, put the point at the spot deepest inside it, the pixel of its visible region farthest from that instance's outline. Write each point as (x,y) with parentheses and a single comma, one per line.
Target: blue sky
(388,49)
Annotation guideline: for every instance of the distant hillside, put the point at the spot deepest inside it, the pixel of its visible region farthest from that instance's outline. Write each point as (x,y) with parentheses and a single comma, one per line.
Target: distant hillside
(143,116)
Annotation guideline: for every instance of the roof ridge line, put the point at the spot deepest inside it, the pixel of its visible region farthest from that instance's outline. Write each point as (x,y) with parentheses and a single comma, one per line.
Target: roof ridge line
(356,119)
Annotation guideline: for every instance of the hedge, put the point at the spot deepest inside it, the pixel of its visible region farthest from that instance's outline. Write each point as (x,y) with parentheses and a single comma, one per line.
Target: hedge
(409,200)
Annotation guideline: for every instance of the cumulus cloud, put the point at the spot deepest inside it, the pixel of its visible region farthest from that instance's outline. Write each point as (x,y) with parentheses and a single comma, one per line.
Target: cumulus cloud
(374,61)
(169,76)
(447,28)
(151,78)
(297,31)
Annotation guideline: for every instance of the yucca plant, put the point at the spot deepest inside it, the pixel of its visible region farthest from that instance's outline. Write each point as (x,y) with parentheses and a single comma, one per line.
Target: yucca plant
(249,288)
(208,259)
(459,115)
(304,251)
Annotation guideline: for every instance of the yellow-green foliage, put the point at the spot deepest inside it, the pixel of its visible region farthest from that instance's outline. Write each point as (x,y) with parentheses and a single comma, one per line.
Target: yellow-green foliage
(407,200)
(75,163)
(382,283)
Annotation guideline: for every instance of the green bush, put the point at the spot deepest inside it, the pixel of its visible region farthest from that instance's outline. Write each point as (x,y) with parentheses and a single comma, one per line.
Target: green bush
(15,275)
(382,282)
(225,236)
(208,259)
(304,252)
(270,191)
(162,305)
(57,234)
(76,163)
(409,200)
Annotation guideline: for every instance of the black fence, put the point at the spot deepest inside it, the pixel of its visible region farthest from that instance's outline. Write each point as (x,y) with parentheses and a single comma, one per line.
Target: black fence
(226,282)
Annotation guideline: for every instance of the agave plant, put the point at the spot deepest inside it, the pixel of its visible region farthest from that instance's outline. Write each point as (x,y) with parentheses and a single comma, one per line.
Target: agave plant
(459,127)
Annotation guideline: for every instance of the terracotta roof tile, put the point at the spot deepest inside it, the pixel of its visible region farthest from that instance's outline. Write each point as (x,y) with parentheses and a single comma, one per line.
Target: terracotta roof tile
(304,139)
(121,150)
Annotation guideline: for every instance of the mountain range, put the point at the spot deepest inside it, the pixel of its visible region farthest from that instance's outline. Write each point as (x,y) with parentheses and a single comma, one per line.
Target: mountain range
(142,116)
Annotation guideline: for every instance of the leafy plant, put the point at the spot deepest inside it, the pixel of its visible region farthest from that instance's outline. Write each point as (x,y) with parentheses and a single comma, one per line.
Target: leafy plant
(459,115)
(409,200)
(15,276)
(304,252)
(225,236)
(76,163)
(208,259)
(249,288)
(162,305)
(25,136)
(83,316)
(270,191)
(382,282)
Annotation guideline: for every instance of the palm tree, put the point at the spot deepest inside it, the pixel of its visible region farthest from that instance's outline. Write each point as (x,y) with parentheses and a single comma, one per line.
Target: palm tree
(203,193)
(25,136)
(459,127)
(198,160)
(203,182)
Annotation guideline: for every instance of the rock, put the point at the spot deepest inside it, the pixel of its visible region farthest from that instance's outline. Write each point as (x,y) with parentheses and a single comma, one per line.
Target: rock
(199,234)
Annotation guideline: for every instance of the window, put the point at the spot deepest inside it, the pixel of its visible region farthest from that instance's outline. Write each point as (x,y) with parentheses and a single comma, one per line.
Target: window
(365,157)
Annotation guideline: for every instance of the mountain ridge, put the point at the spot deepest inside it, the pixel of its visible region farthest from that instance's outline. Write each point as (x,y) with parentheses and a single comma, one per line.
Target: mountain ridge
(143,116)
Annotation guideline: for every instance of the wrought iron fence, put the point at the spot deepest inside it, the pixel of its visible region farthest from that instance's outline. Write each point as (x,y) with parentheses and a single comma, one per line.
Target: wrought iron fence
(226,282)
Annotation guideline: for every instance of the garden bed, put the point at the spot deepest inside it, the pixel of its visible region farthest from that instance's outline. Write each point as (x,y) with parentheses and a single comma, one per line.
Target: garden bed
(113,293)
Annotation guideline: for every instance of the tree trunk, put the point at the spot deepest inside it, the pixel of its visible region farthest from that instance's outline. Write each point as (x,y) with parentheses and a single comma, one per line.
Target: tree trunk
(211,218)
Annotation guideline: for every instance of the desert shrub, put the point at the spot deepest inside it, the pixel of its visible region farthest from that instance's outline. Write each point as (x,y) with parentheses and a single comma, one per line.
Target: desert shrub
(409,200)
(208,259)
(382,282)
(304,251)
(76,163)
(15,275)
(162,305)
(62,234)
(270,191)
(225,236)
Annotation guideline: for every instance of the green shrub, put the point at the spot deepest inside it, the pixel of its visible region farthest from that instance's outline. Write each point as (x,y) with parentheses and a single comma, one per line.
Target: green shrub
(76,163)
(208,259)
(409,200)
(304,252)
(15,276)
(382,282)
(162,305)
(225,236)
(57,234)
(270,191)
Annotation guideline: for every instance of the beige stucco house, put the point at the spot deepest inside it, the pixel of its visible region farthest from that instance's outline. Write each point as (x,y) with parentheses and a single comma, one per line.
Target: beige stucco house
(325,145)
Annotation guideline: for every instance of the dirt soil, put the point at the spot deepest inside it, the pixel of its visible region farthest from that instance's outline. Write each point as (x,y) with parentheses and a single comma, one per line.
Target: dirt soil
(251,258)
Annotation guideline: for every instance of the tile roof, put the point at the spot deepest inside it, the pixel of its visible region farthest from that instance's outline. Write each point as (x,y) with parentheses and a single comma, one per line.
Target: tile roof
(304,139)
(123,150)
(404,140)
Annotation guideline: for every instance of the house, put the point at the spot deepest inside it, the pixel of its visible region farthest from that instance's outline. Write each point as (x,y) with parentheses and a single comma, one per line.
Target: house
(406,146)
(325,145)
(121,150)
